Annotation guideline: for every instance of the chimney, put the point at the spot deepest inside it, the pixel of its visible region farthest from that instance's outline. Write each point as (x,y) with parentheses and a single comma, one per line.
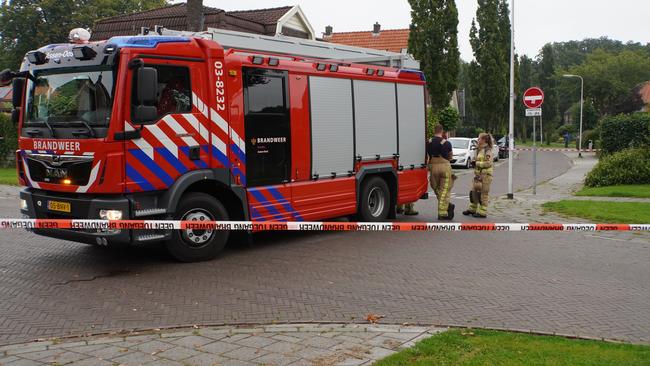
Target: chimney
(328,31)
(376,28)
(195,15)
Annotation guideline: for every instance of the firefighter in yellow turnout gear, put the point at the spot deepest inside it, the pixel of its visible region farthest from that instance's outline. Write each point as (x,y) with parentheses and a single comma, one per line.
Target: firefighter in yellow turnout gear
(480,194)
(439,152)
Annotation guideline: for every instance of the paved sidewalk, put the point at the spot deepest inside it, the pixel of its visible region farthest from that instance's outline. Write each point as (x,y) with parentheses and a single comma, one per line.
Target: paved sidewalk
(273,345)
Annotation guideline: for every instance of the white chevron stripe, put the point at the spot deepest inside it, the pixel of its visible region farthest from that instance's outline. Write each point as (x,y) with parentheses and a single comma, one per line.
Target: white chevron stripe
(238,141)
(141,143)
(198,103)
(174,125)
(219,121)
(29,177)
(162,137)
(198,126)
(91,180)
(216,141)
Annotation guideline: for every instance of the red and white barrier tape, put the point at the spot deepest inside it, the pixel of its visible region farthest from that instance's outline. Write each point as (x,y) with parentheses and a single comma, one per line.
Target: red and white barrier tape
(554,149)
(304,226)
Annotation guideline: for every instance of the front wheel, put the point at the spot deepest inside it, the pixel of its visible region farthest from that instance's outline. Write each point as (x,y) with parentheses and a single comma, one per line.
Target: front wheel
(374,201)
(194,245)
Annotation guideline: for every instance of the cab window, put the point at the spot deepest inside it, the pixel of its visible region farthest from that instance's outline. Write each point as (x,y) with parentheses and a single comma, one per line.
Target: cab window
(174,90)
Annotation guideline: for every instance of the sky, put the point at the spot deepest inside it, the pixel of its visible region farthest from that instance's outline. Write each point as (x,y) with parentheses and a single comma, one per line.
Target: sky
(536,21)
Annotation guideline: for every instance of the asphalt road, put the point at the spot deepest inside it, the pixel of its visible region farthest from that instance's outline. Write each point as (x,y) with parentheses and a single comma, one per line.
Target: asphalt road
(562,282)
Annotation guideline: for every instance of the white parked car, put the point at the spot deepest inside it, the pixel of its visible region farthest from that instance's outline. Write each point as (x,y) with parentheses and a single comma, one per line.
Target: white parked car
(464,149)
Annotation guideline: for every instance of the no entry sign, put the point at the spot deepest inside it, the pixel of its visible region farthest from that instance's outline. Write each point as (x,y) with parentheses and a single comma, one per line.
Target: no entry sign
(533,97)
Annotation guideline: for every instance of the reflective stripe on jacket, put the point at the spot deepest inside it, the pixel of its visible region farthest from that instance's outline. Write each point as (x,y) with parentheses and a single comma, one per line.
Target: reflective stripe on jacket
(483,162)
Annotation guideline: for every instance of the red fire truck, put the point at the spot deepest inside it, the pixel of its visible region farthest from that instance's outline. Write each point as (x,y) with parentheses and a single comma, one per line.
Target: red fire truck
(216,125)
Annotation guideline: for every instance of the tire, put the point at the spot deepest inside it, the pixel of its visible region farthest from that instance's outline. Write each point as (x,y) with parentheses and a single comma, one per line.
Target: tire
(468,164)
(374,203)
(198,245)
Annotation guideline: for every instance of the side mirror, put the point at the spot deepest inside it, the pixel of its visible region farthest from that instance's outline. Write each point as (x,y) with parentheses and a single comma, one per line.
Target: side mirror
(147,86)
(145,113)
(147,95)
(18,86)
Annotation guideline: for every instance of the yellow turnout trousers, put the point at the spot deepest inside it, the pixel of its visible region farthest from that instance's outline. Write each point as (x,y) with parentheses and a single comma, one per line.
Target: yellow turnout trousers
(480,195)
(441,181)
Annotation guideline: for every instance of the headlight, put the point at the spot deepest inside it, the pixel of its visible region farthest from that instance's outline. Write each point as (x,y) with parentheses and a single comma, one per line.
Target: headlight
(23,204)
(110,214)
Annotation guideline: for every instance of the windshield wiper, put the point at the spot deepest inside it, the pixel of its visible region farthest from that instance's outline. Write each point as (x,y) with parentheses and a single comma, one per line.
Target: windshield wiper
(49,126)
(85,124)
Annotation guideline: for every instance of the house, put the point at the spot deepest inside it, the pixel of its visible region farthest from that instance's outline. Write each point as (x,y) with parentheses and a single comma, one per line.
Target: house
(392,40)
(644,92)
(286,20)
(6,93)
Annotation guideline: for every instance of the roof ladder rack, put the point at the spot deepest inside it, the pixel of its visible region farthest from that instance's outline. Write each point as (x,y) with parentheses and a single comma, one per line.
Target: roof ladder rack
(300,47)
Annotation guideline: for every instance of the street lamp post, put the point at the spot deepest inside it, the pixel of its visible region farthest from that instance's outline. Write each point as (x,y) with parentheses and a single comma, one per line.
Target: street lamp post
(582,93)
(511,121)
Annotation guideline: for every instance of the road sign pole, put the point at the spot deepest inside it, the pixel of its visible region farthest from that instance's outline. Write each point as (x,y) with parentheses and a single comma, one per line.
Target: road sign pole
(534,158)
(511,121)
(541,132)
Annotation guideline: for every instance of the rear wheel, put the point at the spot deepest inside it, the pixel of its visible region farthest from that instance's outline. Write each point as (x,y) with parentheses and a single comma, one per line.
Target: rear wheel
(374,203)
(193,245)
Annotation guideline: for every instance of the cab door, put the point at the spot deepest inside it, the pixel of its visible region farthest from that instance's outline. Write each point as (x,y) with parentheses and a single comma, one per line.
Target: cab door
(268,144)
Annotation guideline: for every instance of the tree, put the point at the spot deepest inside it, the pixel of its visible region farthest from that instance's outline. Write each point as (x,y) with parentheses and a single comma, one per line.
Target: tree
(572,53)
(589,115)
(612,80)
(30,24)
(547,81)
(433,40)
(490,68)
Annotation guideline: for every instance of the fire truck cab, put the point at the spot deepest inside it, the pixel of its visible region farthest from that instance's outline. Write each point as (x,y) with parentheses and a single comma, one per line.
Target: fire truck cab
(214,126)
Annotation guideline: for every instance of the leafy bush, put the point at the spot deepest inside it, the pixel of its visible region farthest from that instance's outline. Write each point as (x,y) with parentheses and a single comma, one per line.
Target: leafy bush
(593,135)
(9,141)
(631,166)
(448,118)
(624,131)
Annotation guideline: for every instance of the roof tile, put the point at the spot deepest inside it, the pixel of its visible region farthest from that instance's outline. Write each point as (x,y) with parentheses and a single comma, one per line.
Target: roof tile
(393,40)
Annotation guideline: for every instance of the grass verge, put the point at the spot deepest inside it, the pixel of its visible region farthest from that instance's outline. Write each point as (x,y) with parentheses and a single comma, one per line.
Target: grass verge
(603,211)
(628,190)
(8,176)
(487,347)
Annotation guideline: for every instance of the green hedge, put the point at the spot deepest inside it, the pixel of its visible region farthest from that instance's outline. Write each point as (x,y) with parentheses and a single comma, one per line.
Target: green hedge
(624,131)
(631,166)
(9,141)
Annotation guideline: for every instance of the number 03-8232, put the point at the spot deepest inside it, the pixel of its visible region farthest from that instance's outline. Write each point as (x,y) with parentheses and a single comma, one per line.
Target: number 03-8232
(219,86)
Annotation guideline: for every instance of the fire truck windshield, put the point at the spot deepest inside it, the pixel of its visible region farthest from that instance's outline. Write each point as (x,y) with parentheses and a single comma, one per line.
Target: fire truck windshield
(74,98)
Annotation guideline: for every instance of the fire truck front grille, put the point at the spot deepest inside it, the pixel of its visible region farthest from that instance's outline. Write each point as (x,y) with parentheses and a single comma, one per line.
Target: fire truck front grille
(56,169)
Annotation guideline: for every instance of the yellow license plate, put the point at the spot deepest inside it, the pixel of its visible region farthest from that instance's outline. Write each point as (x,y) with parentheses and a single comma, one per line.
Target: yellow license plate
(59,206)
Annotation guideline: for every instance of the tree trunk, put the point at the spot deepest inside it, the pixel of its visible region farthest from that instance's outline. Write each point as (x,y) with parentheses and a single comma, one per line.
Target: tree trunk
(194,15)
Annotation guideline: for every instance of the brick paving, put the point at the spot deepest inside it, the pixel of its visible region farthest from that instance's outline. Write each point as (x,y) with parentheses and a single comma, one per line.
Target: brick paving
(571,283)
(276,345)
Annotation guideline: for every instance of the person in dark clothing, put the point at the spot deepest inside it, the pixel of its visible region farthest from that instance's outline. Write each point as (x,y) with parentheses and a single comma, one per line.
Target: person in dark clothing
(439,155)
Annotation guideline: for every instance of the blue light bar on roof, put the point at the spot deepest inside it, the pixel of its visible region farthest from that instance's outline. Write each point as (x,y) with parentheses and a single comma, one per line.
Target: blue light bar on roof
(144,41)
(411,71)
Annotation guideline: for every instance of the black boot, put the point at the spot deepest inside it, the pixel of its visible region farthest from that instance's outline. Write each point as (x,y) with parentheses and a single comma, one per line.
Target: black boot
(450,211)
(478,215)
(468,213)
